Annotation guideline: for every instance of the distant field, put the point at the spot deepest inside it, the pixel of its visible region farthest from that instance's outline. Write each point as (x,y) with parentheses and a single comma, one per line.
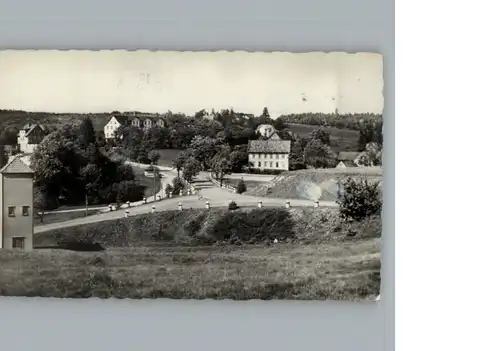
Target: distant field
(61,217)
(167,156)
(312,184)
(342,139)
(19,118)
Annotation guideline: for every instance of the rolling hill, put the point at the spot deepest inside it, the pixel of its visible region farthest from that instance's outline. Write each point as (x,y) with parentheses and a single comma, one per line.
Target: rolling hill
(16,119)
(312,184)
(342,139)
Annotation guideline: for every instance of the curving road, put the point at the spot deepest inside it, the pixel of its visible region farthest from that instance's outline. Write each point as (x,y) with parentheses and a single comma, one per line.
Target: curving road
(207,191)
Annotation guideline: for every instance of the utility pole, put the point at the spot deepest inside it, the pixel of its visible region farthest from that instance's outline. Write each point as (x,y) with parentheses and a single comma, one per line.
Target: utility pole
(86,204)
(154,181)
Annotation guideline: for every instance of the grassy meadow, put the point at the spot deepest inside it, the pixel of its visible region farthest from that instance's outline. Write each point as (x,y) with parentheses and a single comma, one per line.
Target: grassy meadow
(342,139)
(346,271)
(199,254)
(167,156)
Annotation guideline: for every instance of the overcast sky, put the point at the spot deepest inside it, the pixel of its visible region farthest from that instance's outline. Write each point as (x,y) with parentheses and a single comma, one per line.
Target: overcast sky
(104,81)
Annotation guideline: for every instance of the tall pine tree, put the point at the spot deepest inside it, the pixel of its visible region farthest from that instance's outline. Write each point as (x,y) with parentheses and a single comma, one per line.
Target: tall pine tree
(87,135)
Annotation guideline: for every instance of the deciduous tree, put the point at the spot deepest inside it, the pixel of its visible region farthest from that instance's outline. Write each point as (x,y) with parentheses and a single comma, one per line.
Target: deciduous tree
(220,166)
(191,169)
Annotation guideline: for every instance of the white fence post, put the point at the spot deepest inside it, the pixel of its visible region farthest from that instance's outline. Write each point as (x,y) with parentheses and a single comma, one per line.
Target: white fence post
(128,203)
(259,204)
(126,213)
(316,204)
(145,200)
(207,205)
(287,204)
(170,194)
(153,209)
(179,205)
(110,208)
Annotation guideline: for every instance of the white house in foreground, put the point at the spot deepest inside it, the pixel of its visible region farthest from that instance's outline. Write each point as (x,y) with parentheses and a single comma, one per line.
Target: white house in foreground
(269,154)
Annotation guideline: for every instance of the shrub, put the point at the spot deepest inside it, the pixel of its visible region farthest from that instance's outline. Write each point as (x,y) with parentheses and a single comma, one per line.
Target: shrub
(178,185)
(232,206)
(128,191)
(241,187)
(359,199)
(169,188)
(153,156)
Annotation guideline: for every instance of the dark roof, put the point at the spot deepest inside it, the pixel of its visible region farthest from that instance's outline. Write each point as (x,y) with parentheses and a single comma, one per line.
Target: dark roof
(28,126)
(348,155)
(127,119)
(121,119)
(33,127)
(283,134)
(16,165)
(269,146)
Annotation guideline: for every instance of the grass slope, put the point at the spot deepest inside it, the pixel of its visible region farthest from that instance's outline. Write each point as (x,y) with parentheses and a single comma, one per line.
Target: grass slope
(168,156)
(311,184)
(62,216)
(342,139)
(199,227)
(349,271)
(161,255)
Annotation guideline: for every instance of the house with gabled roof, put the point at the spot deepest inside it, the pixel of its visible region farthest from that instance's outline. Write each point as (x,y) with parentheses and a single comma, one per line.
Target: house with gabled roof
(16,204)
(271,153)
(348,159)
(30,136)
(265,130)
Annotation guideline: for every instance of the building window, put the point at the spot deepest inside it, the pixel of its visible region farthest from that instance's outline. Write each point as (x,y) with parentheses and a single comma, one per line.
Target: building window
(26,211)
(12,211)
(265,164)
(277,165)
(259,164)
(18,243)
(265,155)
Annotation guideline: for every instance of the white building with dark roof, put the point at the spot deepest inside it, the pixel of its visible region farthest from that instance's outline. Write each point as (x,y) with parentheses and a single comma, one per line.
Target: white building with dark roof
(116,122)
(348,159)
(269,154)
(265,130)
